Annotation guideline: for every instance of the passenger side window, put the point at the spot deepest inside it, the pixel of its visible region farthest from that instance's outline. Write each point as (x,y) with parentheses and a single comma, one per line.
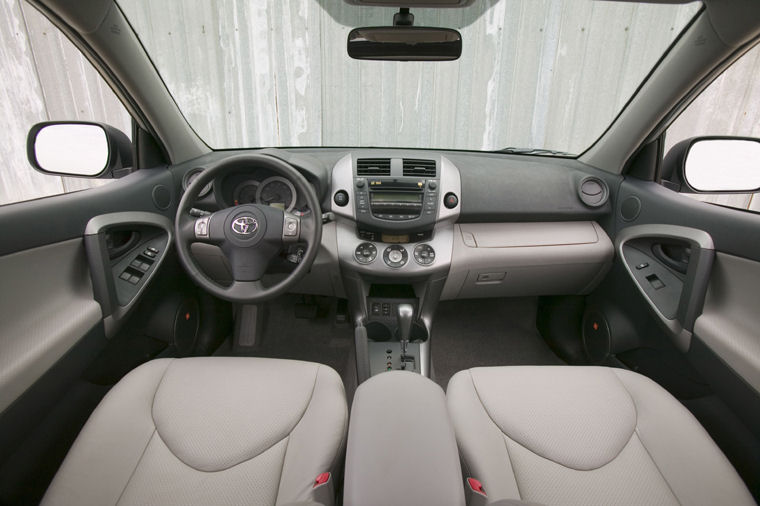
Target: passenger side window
(730,106)
(46,78)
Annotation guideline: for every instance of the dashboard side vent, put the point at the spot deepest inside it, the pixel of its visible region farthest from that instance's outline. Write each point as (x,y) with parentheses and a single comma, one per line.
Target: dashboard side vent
(415,167)
(373,167)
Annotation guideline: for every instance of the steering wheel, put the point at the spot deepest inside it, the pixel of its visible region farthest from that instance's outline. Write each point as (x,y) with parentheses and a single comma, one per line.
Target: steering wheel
(249,235)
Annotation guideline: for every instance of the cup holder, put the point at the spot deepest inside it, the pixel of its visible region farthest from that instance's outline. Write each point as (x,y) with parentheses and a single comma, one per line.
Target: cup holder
(378,331)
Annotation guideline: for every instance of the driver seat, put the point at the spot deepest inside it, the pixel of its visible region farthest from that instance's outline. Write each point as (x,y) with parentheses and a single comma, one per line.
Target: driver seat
(210,430)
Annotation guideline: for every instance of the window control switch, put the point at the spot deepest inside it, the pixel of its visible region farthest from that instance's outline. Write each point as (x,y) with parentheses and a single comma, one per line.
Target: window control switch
(655,281)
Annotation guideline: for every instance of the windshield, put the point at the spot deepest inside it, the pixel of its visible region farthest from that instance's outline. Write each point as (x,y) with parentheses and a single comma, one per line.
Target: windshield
(533,74)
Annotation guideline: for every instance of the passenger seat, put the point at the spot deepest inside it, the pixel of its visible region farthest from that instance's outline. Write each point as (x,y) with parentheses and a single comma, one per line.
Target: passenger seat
(585,435)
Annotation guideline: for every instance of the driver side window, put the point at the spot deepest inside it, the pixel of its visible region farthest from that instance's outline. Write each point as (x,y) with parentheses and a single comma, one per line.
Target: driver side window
(729,106)
(46,78)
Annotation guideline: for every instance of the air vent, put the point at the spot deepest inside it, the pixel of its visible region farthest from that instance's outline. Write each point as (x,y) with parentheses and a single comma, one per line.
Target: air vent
(414,167)
(373,167)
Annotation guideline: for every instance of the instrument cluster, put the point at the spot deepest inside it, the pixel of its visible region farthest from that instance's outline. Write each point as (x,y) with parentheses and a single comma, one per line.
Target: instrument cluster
(255,186)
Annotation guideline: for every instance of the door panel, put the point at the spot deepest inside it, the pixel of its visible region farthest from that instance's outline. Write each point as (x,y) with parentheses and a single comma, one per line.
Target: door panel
(729,322)
(720,340)
(49,302)
(729,314)
(46,308)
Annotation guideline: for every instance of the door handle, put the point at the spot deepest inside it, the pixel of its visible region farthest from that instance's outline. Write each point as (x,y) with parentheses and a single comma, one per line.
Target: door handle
(675,256)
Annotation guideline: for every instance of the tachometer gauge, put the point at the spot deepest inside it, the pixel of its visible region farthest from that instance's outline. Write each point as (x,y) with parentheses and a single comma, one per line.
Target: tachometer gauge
(191,176)
(277,192)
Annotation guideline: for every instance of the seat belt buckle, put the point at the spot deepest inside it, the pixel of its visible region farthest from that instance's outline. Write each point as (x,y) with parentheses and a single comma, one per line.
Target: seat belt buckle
(475,494)
(322,489)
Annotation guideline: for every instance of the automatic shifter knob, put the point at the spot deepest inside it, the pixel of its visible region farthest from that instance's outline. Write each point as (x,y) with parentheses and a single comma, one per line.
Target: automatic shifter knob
(404,314)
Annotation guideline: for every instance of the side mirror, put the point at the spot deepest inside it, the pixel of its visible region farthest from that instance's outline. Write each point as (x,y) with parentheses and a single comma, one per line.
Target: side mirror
(79,149)
(721,164)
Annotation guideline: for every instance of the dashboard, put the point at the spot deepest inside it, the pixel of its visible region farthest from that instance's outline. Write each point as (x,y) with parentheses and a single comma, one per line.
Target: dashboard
(483,225)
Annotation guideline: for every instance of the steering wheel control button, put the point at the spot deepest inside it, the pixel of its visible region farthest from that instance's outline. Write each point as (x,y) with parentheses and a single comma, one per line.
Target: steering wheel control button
(365,253)
(450,200)
(341,198)
(395,256)
(424,254)
(201,228)
(290,226)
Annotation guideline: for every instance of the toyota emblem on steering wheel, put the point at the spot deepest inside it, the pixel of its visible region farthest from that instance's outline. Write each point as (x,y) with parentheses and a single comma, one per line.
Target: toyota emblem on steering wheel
(245,225)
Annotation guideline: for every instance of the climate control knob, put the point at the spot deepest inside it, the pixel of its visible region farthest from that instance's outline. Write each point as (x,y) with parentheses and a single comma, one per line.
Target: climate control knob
(395,256)
(365,253)
(424,254)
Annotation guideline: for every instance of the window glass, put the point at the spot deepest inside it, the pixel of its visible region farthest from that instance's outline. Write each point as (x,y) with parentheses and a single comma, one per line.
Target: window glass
(533,74)
(45,78)
(730,106)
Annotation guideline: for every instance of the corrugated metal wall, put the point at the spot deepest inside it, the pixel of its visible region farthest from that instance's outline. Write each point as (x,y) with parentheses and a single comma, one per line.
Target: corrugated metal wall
(291,90)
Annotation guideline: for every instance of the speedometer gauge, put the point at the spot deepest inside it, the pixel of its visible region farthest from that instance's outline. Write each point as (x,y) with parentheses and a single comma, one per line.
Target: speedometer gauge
(277,192)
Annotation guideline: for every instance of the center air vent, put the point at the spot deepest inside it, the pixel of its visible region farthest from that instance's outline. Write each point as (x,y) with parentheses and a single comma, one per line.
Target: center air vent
(415,167)
(373,167)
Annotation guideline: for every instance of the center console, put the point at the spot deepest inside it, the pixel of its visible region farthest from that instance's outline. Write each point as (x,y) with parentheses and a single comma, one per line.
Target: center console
(395,212)
(401,447)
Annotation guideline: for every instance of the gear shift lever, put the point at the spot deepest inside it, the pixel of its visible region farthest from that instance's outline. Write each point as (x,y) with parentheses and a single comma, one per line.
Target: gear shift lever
(404,315)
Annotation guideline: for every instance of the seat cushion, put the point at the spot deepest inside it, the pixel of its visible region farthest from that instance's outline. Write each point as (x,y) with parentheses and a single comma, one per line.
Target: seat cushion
(585,435)
(208,430)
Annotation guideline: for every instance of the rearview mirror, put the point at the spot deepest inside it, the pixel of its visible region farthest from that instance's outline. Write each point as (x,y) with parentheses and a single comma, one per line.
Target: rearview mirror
(78,149)
(404,43)
(723,164)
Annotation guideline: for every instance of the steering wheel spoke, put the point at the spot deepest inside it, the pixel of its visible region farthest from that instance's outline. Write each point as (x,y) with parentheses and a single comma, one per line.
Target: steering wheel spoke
(249,264)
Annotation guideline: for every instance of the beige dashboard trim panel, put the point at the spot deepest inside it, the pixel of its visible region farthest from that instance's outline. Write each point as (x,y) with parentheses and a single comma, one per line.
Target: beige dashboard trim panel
(520,259)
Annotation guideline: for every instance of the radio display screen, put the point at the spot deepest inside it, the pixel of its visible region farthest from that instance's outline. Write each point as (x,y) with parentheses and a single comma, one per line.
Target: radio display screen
(389,197)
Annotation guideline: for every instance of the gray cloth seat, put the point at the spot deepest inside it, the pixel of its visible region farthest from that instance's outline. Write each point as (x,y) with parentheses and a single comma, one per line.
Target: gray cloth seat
(585,435)
(209,430)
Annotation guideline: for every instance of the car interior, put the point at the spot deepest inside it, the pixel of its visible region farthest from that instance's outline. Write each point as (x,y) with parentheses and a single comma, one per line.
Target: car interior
(376,301)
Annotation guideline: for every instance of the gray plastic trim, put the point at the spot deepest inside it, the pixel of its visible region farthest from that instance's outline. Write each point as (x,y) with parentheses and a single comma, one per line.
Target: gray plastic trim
(693,235)
(692,295)
(348,240)
(343,179)
(100,265)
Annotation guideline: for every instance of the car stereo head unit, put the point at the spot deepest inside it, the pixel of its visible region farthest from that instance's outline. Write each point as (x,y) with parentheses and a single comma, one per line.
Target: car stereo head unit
(382,203)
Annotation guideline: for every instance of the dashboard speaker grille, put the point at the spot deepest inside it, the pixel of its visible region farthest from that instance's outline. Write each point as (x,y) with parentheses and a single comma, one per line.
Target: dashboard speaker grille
(416,167)
(373,167)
